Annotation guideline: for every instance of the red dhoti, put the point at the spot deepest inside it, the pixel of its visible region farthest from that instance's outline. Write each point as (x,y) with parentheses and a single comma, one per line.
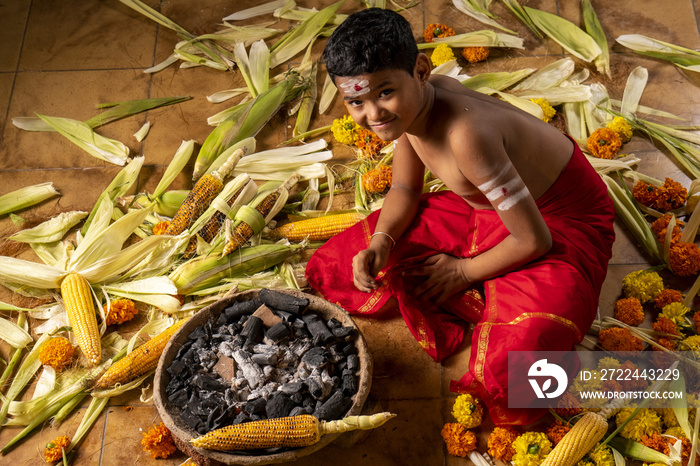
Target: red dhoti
(547,305)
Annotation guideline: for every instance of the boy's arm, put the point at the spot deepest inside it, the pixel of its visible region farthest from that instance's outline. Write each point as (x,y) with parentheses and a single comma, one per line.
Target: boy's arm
(398,211)
(486,164)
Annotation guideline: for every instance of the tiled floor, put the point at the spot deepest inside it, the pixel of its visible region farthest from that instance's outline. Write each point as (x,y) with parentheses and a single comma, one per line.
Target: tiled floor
(63,58)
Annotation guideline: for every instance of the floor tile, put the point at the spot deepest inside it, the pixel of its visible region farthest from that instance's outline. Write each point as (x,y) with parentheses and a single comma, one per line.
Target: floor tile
(13,21)
(66,38)
(6,81)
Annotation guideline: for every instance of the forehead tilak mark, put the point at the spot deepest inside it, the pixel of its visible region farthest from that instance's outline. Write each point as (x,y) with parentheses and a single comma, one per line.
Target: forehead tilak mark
(355,87)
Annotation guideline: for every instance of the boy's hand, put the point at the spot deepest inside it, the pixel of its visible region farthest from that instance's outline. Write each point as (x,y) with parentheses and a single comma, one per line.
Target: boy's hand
(365,266)
(443,275)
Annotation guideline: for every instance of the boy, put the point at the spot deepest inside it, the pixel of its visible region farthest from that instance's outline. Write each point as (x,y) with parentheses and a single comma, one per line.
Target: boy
(527,219)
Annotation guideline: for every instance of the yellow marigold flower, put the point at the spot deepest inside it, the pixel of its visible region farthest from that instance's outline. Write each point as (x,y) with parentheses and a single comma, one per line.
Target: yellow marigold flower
(547,110)
(643,285)
(437,30)
(377,180)
(475,54)
(676,312)
(602,456)
(344,130)
(458,439)
(622,128)
(668,296)
(121,310)
(619,339)
(684,259)
(468,410)
(442,54)
(692,343)
(500,443)
(629,311)
(160,227)
(608,363)
(158,441)
(668,416)
(675,431)
(604,143)
(531,448)
(54,449)
(57,353)
(645,422)
(585,463)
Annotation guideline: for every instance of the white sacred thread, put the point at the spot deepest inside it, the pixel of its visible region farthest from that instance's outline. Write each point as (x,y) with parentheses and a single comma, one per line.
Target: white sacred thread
(355,87)
(514,199)
(490,183)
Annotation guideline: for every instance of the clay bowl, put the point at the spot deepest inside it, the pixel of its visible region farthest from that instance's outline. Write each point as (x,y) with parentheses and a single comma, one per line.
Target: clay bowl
(182,433)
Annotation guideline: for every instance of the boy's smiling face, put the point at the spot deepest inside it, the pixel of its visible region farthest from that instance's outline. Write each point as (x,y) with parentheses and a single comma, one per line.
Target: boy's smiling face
(385,102)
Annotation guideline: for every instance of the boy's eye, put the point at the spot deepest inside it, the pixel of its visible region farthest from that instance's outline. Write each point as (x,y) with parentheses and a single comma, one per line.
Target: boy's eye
(385,92)
(355,103)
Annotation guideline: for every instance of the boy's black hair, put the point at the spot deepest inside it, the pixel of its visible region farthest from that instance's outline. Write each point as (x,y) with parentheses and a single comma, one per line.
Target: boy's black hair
(368,41)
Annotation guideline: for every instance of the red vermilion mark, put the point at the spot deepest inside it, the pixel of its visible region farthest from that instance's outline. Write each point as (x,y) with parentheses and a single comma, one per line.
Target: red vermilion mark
(505,191)
(358,88)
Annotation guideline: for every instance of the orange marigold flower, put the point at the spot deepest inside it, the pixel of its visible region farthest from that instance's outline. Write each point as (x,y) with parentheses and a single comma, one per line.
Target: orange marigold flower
(604,143)
(629,311)
(660,226)
(568,405)
(54,449)
(619,339)
(665,325)
(475,54)
(437,30)
(57,353)
(670,196)
(644,193)
(667,297)
(696,321)
(369,143)
(160,227)
(686,450)
(500,443)
(631,385)
(158,441)
(611,386)
(684,259)
(121,310)
(656,441)
(557,431)
(670,345)
(674,194)
(458,439)
(378,179)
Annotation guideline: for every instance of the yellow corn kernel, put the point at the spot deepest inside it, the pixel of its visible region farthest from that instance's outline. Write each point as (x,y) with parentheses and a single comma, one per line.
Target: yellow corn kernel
(139,361)
(294,431)
(585,434)
(80,308)
(317,229)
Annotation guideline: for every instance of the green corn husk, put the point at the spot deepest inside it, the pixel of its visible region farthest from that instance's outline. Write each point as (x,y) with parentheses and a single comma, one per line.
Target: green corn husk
(480,13)
(203,272)
(307,101)
(551,75)
(636,450)
(254,68)
(636,82)
(327,94)
(301,36)
(141,134)
(487,83)
(519,12)
(476,39)
(156,291)
(14,334)
(682,57)
(51,230)
(27,196)
(255,11)
(558,95)
(595,30)
(82,135)
(566,34)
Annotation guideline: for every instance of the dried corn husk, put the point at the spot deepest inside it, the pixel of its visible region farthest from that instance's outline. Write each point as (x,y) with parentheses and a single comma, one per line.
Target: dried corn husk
(680,56)
(263,9)
(14,334)
(254,68)
(519,12)
(476,39)
(595,30)
(156,291)
(636,82)
(551,75)
(25,197)
(51,230)
(488,83)
(480,13)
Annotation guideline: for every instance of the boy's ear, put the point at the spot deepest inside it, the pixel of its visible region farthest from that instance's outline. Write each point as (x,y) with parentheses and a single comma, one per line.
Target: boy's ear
(422,68)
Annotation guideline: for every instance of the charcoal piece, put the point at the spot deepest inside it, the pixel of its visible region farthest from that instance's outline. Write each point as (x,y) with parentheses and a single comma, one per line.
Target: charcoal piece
(318,329)
(297,398)
(183,349)
(191,419)
(202,429)
(207,358)
(188,357)
(287,317)
(315,387)
(349,349)
(255,406)
(264,359)
(179,398)
(343,332)
(222,319)
(309,402)
(335,353)
(252,330)
(194,405)
(277,333)
(291,388)
(315,358)
(337,381)
(349,386)
(269,318)
(230,398)
(241,308)
(353,362)
(224,419)
(197,333)
(241,418)
(215,413)
(173,386)
(207,382)
(200,343)
(278,406)
(266,349)
(334,408)
(299,410)
(302,333)
(334,323)
(177,368)
(298,323)
(341,366)
(251,371)
(282,301)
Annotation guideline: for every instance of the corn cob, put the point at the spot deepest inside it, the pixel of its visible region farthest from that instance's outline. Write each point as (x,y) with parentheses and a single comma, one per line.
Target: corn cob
(77,299)
(203,192)
(243,231)
(294,431)
(588,431)
(317,229)
(211,228)
(139,361)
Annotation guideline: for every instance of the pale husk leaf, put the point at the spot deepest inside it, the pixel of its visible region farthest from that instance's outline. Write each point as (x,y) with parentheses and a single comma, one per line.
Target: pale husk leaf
(548,76)
(258,10)
(13,334)
(595,30)
(28,273)
(27,196)
(636,82)
(51,230)
(487,83)
(523,104)
(566,34)
(141,134)
(476,39)
(468,9)
(558,95)
(327,93)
